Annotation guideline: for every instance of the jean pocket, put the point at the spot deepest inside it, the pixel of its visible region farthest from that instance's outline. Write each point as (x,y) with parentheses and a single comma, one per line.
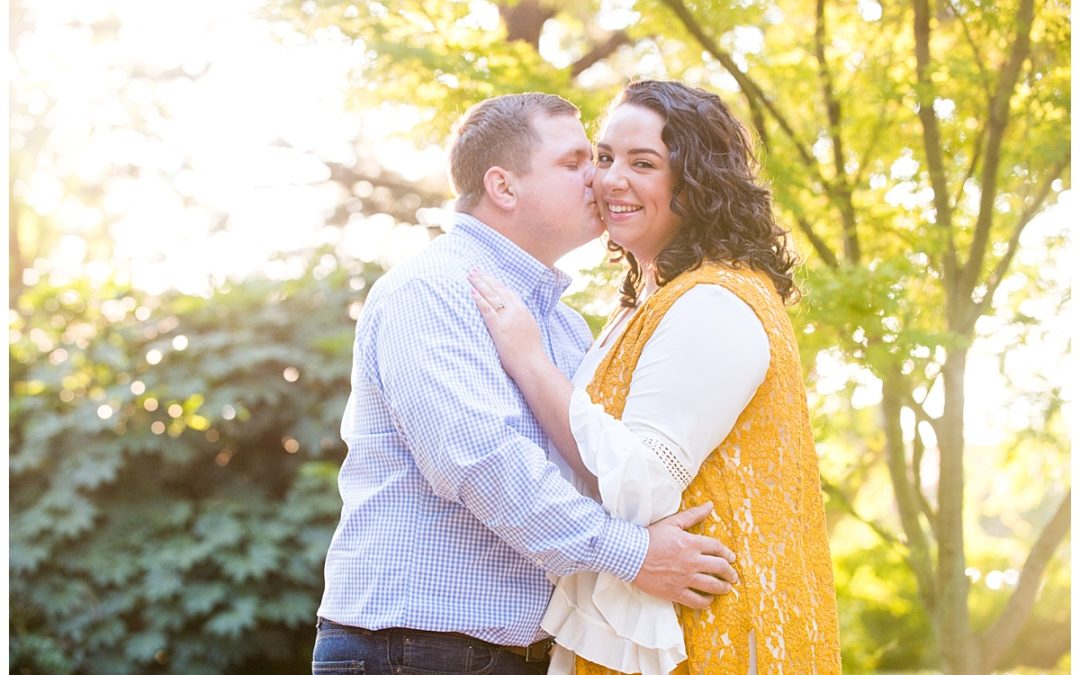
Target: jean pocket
(337,668)
(339,650)
(437,656)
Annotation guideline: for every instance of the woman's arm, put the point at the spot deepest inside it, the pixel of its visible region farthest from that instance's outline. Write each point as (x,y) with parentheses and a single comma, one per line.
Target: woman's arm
(698,371)
(546,389)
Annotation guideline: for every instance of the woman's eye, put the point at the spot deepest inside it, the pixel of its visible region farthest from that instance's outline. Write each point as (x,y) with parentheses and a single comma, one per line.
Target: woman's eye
(603,159)
(642,164)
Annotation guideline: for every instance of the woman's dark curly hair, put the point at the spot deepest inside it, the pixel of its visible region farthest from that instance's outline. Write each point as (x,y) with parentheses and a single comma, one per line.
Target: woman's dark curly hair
(726,215)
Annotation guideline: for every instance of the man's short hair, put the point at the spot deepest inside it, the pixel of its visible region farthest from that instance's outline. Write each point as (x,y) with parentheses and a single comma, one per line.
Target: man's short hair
(497,132)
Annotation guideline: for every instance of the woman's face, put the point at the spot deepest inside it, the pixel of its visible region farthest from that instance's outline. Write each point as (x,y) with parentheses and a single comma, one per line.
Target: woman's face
(634,182)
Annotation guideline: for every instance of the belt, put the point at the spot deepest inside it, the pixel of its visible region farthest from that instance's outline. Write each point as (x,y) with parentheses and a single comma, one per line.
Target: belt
(537,652)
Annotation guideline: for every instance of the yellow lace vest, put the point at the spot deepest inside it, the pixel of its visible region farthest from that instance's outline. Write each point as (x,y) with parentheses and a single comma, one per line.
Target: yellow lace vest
(763,480)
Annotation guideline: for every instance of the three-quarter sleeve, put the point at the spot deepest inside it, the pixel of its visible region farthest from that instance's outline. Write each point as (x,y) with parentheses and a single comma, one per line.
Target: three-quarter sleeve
(697,372)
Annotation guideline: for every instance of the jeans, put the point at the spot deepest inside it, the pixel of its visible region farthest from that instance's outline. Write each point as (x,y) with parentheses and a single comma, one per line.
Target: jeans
(344,650)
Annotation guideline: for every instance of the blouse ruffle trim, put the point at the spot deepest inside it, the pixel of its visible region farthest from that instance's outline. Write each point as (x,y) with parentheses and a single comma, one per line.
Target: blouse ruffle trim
(626,630)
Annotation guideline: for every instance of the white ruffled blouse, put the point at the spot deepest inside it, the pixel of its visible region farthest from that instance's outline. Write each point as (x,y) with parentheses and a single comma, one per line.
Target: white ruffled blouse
(698,371)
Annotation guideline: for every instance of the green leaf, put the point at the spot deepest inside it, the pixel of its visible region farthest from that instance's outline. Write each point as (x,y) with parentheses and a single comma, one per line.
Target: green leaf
(142,647)
(234,620)
(291,608)
(200,598)
(161,583)
(218,530)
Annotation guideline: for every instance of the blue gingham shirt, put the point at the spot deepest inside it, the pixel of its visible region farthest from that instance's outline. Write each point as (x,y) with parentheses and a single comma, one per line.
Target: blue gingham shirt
(452,512)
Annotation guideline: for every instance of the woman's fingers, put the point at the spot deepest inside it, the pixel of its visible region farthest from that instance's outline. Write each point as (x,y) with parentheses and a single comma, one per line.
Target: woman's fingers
(497,294)
(487,300)
(485,307)
(485,288)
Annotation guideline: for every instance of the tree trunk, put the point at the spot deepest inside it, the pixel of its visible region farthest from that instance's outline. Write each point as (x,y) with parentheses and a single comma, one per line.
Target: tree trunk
(919,551)
(525,20)
(957,646)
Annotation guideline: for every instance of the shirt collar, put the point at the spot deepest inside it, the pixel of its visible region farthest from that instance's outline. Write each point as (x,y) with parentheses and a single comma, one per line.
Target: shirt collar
(538,285)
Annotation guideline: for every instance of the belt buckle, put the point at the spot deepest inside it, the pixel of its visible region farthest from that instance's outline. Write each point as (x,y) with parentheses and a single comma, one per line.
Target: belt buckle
(542,651)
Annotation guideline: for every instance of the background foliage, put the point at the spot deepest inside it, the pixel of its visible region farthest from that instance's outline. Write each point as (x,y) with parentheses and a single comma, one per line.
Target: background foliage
(173,457)
(174,473)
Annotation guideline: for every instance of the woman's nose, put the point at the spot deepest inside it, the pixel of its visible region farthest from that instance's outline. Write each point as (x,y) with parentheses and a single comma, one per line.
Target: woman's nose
(613,178)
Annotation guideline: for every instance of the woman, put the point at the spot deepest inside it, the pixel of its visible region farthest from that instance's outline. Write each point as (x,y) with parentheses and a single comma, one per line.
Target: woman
(693,392)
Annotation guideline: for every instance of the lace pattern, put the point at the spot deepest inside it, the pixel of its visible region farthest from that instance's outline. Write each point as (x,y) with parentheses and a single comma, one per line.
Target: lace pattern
(763,481)
(678,471)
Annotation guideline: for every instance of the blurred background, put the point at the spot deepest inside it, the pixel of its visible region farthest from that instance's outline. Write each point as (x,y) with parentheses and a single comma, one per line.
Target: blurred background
(201,194)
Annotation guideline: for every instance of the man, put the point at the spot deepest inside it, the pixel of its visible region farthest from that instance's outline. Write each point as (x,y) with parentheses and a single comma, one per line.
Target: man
(452,512)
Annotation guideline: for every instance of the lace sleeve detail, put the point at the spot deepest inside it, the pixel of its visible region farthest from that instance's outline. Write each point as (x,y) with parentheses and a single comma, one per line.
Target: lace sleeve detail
(679,473)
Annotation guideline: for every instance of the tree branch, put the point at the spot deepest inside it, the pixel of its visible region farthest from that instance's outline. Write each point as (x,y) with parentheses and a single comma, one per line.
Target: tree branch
(748,86)
(832,107)
(1002,634)
(875,136)
(525,20)
(906,501)
(976,155)
(917,450)
(999,119)
(822,249)
(758,119)
(985,77)
(1033,209)
(388,188)
(979,61)
(935,162)
(918,408)
(883,31)
(842,500)
(599,52)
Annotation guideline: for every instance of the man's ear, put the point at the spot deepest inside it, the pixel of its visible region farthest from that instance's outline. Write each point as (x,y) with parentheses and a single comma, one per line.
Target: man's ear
(499,186)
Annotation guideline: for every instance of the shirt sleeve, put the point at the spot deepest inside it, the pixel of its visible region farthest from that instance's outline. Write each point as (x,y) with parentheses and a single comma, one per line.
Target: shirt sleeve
(459,413)
(696,374)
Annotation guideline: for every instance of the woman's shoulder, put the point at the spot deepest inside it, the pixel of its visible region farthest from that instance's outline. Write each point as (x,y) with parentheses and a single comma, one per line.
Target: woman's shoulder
(741,280)
(712,307)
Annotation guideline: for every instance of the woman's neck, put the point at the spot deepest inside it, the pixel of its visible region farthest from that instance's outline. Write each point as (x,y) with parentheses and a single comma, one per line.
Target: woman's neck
(648,276)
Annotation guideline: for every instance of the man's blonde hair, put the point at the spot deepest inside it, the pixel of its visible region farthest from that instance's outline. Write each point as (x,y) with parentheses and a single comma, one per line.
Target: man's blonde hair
(498,132)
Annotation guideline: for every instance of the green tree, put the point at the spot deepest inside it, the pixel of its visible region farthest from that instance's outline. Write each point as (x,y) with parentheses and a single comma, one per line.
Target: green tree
(909,145)
(173,472)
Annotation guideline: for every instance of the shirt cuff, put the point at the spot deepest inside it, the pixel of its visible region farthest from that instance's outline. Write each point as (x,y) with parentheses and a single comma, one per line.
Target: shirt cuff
(621,549)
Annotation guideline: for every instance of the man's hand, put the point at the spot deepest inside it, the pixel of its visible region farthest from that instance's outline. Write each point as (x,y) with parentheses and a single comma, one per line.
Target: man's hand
(686,568)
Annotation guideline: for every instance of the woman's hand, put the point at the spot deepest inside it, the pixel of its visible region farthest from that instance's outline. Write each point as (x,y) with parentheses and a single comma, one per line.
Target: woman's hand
(511,325)
(545,388)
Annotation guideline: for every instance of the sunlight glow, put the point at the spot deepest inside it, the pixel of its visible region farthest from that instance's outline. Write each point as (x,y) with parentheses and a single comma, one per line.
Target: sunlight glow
(483,15)
(202,125)
(617,14)
(551,46)
(234,140)
(869,10)
(999,364)
(748,39)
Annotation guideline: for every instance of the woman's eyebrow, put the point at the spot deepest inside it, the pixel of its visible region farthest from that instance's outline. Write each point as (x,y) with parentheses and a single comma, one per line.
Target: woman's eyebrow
(632,151)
